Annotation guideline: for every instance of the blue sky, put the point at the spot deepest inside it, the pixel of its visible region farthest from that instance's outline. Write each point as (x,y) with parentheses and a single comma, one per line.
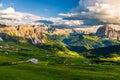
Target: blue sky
(68,13)
(44,8)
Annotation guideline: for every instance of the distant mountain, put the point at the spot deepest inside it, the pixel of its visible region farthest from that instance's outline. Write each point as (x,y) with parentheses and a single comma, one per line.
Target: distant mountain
(83,42)
(73,38)
(64,41)
(22,33)
(35,34)
(108,32)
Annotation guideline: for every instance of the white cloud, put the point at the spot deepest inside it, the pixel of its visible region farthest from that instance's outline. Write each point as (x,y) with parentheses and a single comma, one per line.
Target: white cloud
(105,11)
(1,5)
(69,23)
(64,23)
(67,15)
(11,17)
(88,12)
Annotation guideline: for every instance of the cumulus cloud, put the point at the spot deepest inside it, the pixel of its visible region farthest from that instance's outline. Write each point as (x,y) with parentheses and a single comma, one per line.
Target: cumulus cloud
(96,11)
(61,22)
(88,12)
(69,23)
(1,5)
(11,17)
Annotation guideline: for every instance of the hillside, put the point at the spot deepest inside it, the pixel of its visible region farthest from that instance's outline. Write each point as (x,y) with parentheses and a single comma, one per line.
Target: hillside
(65,66)
(106,51)
(42,37)
(48,53)
(82,42)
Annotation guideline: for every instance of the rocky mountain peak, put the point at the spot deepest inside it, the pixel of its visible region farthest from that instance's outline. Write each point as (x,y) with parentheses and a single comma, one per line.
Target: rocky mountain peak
(108,32)
(33,34)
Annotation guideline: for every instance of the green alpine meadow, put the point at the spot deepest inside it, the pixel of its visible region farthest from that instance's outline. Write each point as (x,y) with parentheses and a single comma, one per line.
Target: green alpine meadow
(59,40)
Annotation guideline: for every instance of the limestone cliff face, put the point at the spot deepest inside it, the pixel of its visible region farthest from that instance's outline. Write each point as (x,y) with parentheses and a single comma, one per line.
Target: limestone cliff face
(108,32)
(35,34)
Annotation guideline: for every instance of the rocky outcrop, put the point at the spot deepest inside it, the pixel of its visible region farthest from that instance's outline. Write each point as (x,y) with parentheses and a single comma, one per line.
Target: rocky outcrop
(34,34)
(108,32)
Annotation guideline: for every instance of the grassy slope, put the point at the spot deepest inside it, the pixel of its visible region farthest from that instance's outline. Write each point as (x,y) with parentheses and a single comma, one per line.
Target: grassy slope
(52,53)
(49,67)
(89,42)
(38,72)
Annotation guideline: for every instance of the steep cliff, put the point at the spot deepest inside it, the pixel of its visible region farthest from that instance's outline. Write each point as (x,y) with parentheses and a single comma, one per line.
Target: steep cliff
(34,34)
(108,32)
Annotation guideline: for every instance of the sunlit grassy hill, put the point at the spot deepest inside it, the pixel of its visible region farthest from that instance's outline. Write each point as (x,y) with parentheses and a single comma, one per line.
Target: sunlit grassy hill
(82,42)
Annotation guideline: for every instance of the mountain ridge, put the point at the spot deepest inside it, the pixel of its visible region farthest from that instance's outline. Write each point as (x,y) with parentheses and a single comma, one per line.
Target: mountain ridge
(108,32)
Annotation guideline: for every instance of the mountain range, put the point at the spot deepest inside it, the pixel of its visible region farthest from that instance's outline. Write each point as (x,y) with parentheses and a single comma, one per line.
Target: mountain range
(37,33)
(75,39)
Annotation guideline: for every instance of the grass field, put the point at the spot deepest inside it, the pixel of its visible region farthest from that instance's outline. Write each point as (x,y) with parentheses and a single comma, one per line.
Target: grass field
(51,66)
(58,72)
